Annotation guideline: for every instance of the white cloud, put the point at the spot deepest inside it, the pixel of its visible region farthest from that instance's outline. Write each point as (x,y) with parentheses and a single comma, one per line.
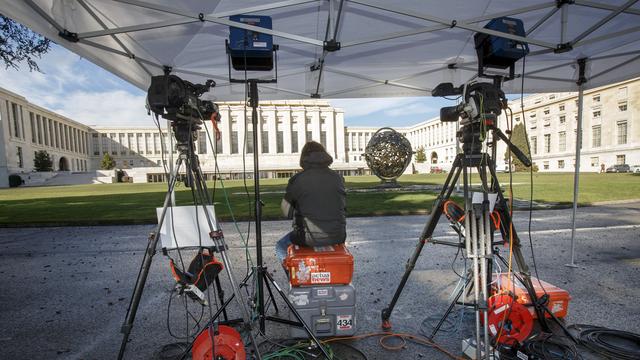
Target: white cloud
(78,90)
(108,108)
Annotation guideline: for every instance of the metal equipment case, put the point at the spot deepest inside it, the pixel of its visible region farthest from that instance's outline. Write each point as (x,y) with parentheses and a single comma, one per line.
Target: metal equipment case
(328,310)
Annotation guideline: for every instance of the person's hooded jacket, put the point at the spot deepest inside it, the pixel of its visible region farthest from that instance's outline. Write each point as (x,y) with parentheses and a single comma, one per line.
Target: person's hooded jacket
(316,200)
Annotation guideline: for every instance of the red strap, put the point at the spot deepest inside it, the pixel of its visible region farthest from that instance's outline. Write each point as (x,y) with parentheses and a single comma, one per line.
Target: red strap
(214,122)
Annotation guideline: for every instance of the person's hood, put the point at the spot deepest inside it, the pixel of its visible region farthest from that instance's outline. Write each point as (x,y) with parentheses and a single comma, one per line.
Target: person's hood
(316,159)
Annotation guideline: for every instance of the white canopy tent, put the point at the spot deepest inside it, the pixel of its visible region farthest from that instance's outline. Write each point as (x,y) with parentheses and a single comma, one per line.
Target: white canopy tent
(387,48)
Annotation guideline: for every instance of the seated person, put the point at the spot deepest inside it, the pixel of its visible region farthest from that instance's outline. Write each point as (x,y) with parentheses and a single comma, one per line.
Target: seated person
(316,201)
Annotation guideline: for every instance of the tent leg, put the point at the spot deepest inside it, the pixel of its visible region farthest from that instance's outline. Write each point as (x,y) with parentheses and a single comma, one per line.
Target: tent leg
(576,175)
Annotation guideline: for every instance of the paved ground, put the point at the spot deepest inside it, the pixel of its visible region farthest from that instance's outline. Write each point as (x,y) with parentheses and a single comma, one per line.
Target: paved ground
(65,290)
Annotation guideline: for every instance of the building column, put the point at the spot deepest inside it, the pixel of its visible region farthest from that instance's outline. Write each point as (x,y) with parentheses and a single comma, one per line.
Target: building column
(339,131)
(225,129)
(315,123)
(330,130)
(244,120)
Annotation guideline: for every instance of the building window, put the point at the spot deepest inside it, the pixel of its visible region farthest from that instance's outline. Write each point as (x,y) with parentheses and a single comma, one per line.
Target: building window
(596,114)
(546,111)
(39,128)
(44,130)
(561,107)
(218,148)
(596,98)
(294,141)
(202,143)
(622,132)
(265,141)
(19,154)
(547,143)
(249,142)
(622,92)
(545,165)
(123,140)
(16,118)
(323,138)
(596,136)
(534,145)
(532,115)
(114,147)
(279,141)
(96,144)
(105,144)
(140,144)
(560,164)
(595,161)
(33,128)
(309,136)
(622,106)
(621,159)
(234,142)
(563,119)
(562,141)
(55,130)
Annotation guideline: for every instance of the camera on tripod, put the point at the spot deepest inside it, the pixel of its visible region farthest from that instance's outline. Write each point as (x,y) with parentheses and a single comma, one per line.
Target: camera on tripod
(173,98)
(179,100)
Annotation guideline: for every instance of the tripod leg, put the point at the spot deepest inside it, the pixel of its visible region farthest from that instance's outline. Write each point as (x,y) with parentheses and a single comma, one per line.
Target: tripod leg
(273,299)
(221,298)
(436,212)
(295,312)
(146,265)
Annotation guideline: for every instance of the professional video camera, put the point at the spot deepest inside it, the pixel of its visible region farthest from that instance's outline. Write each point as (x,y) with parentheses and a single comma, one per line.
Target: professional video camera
(176,99)
(482,103)
(179,100)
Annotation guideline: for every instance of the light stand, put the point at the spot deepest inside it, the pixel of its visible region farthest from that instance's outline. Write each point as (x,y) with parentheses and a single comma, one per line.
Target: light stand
(263,278)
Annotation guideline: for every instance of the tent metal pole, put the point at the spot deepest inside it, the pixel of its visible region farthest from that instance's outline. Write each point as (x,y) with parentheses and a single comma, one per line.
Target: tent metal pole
(603,21)
(576,176)
(543,20)
(221,21)
(605,6)
(454,23)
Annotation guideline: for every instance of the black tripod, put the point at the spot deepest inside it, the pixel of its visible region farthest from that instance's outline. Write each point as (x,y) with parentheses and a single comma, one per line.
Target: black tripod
(262,276)
(185,130)
(473,157)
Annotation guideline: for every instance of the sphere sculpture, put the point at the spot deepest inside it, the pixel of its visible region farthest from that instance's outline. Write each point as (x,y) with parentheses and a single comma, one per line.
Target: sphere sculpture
(388,154)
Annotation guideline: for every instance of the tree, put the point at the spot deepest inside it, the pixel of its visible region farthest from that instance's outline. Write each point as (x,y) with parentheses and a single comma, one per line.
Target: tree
(107,162)
(420,155)
(18,43)
(42,161)
(519,139)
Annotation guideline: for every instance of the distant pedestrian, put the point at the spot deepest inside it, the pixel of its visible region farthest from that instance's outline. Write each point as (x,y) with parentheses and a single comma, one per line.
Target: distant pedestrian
(601,168)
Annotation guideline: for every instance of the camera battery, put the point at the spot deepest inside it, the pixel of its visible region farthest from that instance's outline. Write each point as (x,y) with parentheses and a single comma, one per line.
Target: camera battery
(319,265)
(327,310)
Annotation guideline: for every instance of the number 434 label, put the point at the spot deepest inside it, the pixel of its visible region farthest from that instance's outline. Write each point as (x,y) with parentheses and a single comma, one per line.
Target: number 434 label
(344,322)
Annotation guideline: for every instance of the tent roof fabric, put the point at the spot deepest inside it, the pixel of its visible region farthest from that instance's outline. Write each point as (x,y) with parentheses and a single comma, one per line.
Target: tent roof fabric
(388,48)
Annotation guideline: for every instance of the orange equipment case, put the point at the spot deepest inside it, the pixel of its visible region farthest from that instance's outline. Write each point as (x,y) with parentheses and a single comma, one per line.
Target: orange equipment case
(326,265)
(558,298)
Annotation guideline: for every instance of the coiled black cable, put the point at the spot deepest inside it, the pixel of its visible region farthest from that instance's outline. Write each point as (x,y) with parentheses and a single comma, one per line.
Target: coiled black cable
(549,348)
(610,343)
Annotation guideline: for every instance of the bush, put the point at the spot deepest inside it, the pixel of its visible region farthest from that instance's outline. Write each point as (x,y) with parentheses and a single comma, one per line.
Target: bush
(15,180)
(42,161)
(107,162)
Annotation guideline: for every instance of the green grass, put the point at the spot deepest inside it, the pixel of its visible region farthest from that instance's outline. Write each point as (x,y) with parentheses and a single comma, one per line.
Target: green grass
(136,203)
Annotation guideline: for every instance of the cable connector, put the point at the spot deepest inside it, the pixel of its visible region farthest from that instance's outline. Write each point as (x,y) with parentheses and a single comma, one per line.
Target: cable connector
(69,36)
(559,3)
(331,45)
(562,48)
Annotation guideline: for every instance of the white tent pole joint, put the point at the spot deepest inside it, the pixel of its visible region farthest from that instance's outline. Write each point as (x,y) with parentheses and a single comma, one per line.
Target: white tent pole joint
(582,79)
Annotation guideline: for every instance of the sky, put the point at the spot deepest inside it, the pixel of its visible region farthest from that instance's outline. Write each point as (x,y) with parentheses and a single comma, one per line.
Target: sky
(84,92)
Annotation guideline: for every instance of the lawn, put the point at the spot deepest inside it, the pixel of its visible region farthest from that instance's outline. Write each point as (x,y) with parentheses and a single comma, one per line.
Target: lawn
(136,203)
